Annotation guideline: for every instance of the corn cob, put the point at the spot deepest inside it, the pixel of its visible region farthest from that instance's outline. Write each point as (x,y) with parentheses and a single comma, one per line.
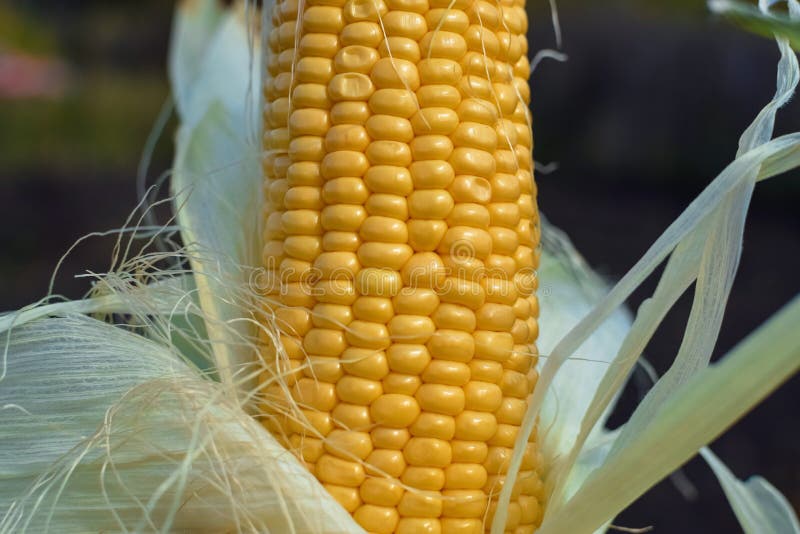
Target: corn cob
(401,237)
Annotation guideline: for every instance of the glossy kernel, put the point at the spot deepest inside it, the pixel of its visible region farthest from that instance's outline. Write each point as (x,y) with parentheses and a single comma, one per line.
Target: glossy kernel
(446,372)
(421,504)
(465,476)
(365,363)
(338,471)
(428,452)
(381,492)
(390,462)
(358,390)
(378,519)
(411,328)
(348,444)
(401,383)
(439,398)
(394,410)
(421,272)
(390,438)
(408,359)
(430,204)
(416,301)
(475,426)
(434,425)
(482,396)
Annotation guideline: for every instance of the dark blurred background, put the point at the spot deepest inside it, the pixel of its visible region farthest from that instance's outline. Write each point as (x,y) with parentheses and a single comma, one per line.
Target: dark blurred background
(646,112)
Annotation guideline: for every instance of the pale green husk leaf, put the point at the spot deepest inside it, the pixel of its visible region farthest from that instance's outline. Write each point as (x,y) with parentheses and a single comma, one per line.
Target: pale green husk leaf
(751,18)
(168,296)
(217,190)
(697,412)
(568,289)
(757,504)
(102,430)
(193,28)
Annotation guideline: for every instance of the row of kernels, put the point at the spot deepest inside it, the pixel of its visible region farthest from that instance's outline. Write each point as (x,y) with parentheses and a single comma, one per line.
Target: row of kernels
(491,316)
(345,165)
(389,181)
(308,122)
(276,161)
(431,203)
(463,506)
(442,395)
(512,409)
(387,156)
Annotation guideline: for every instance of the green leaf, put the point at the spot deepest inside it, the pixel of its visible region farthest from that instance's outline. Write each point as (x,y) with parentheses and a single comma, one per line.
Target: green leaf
(757,504)
(714,273)
(749,17)
(695,414)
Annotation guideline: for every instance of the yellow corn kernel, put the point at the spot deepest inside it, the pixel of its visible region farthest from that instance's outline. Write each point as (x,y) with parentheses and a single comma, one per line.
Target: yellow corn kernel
(401,233)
